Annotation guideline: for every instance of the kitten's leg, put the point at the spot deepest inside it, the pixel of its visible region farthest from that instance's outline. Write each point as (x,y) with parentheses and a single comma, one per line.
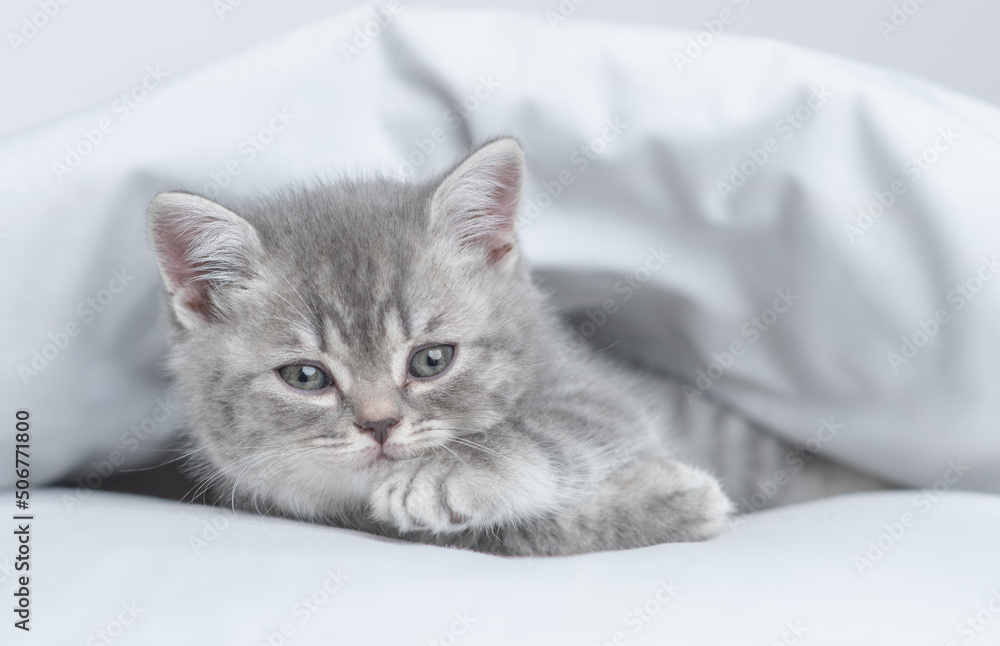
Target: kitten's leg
(464,489)
(743,454)
(652,501)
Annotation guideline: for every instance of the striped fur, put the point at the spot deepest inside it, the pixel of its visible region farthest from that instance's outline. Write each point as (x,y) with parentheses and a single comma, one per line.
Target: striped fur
(526,445)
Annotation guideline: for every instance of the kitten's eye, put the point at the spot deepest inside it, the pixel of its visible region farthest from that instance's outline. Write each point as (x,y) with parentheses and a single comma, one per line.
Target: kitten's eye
(304,376)
(430,362)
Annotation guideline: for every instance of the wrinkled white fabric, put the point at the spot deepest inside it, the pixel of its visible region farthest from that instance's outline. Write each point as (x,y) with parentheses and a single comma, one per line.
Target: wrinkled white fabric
(747,164)
(865,570)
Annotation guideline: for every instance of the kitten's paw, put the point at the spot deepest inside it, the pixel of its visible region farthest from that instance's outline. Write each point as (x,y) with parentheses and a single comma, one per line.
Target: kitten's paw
(651,501)
(437,495)
(683,503)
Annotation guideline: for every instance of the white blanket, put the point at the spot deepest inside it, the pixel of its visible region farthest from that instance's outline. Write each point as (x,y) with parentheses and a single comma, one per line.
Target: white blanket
(899,569)
(749,164)
(702,207)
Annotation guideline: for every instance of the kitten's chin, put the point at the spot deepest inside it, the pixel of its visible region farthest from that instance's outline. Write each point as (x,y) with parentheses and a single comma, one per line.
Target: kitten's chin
(378,457)
(318,492)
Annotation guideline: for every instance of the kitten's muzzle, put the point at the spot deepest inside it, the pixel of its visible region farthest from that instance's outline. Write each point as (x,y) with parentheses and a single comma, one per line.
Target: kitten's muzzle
(380,429)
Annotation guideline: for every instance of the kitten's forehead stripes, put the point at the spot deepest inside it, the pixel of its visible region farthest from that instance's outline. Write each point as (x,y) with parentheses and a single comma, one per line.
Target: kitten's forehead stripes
(373,298)
(318,324)
(404,322)
(433,324)
(366,330)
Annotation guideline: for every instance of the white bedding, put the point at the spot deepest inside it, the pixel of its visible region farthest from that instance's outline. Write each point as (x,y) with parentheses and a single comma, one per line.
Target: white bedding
(834,301)
(662,139)
(194,575)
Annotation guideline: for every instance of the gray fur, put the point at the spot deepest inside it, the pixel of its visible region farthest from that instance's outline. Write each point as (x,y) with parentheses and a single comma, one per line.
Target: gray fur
(526,445)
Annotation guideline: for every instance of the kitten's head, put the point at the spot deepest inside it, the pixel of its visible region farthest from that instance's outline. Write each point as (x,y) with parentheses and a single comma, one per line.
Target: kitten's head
(323,334)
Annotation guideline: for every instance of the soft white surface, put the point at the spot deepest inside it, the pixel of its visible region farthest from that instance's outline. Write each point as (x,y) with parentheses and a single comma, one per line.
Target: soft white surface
(656,184)
(98,48)
(795,565)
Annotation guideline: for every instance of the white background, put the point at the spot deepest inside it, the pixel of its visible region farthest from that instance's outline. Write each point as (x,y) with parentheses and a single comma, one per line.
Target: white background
(92,49)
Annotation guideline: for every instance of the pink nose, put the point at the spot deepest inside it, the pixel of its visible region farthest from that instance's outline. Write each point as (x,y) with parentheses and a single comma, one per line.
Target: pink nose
(380,429)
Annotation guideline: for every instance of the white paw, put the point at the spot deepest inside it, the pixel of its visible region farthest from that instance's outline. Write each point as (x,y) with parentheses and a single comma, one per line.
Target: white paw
(433,495)
(693,500)
(672,502)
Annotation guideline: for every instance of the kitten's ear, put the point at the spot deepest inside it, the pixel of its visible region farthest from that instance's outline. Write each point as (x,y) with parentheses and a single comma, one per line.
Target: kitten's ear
(202,250)
(478,201)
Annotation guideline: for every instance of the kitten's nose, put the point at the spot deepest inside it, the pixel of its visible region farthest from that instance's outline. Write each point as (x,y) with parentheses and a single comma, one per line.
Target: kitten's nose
(380,430)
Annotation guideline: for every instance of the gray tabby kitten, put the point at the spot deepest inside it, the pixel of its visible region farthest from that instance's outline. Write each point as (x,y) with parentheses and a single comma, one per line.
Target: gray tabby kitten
(375,355)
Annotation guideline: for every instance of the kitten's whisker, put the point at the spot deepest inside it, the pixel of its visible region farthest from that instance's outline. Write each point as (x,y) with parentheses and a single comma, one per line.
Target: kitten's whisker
(480,447)
(308,323)
(562,359)
(152,449)
(264,474)
(511,463)
(445,447)
(279,318)
(221,472)
(236,483)
(155,466)
(276,455)
(304,301)
(607,347)
(187,452)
